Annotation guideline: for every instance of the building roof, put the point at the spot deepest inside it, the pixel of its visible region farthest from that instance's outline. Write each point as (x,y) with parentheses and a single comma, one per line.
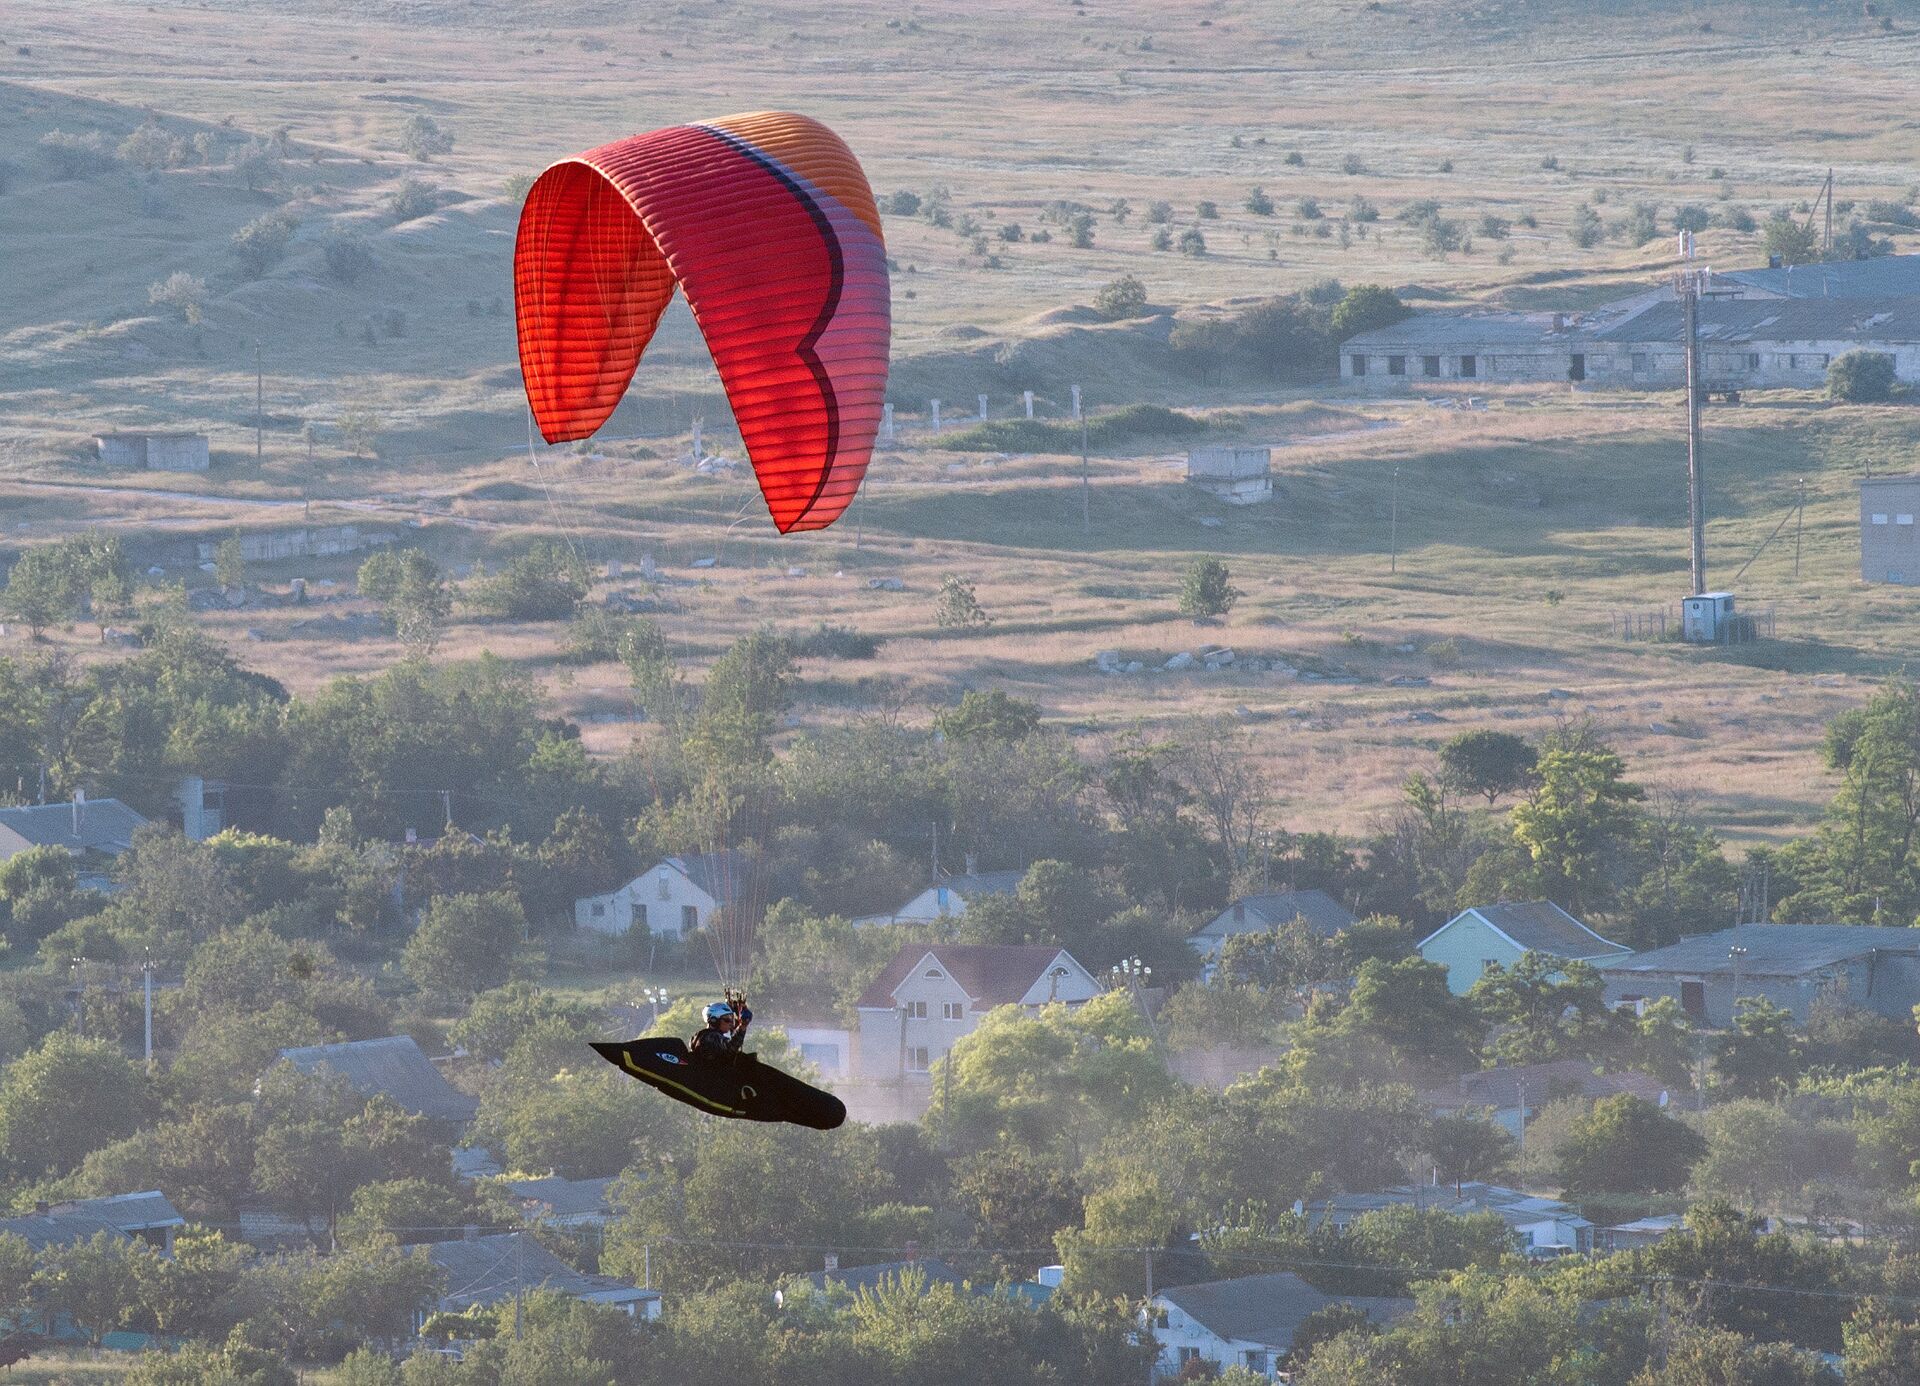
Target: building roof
(937,1272)
(723,875)
(489,1270)
(1257,913)
(993,974)
(58,1227)
(1865,320)
(149,433)
(1909,479)
(395,1067)
(99,825)
(973,884)
(1471,329)
(565,1198)
(1499,1088)
(1515,1208)
(1886,276)
(1539,926)
(1773,950)
(130,1212)
(1265,1309)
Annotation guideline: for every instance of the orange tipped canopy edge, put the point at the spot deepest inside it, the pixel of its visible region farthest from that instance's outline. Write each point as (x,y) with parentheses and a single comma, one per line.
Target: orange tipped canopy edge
(769,226)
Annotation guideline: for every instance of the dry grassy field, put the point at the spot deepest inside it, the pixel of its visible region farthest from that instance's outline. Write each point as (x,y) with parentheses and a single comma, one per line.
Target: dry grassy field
(1523,529)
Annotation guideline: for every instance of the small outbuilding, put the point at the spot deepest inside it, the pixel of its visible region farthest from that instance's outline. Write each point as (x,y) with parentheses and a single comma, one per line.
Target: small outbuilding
(154,452)
(1238,476)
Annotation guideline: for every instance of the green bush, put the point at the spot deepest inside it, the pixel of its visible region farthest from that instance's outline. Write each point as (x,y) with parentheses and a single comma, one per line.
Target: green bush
(1125,297)
(1207,589)
(1861,377)
(1114,429)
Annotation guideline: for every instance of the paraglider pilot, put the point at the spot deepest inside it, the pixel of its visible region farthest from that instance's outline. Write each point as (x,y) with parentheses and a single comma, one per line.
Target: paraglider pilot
(725,1030)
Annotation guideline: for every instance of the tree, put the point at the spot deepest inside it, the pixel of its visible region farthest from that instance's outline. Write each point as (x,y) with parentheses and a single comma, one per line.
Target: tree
(348,255)
(746,693)
(1104,1258)
(67,1097)
(1468,1149)
(1125,297)
(990,715)
(1761,1053)
(39,892)
(1206,589)
(413,595)
(1080,231)
(403,1210)
(1575,823)
(1585,230)
(1793,241)
(1014,1197)
(262,243)
(95,1283)
(465,944)
(360,423)
(498,1019)
(1193,242)
(230,563)
(39,590)
(1403,1011)
(1861,377)
(545,583)
(422,137)
(1365,307)
(1765,1155)
(1204,344)
(1258,202)
(16,1276)
(1882,1345)
(956,606)
(1488,763)
(412,197)
(1541,1008)
(185,293)
(194,1291)
(1625,1144)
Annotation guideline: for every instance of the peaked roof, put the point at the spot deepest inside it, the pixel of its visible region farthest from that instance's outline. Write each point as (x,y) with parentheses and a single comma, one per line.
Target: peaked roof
(1540,926)
(105,825)
(393,1066)
(1266,1309)
(1500,1087)
(1517,1209)
(967,884)
(1773,950)
(57,1227)
(1257,913)
(130,1212)
(1882,276)
(1865,319)
(488,1270)
(992,974)
(563,1198)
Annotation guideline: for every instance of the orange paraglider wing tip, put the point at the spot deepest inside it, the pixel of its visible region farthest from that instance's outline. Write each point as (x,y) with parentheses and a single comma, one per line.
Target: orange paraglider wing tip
(768,225)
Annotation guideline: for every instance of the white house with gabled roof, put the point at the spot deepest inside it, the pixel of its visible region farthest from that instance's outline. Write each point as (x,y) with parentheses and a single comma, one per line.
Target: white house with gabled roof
(677,896)
(931,995)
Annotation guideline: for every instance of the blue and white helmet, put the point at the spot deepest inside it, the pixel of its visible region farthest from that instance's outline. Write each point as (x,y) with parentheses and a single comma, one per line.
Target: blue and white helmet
(718,1012)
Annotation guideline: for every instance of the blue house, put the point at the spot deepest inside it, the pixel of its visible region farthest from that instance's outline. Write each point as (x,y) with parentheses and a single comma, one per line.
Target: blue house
(1477,939)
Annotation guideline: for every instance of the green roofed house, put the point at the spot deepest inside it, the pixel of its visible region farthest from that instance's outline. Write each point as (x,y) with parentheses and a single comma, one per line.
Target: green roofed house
(1476,939)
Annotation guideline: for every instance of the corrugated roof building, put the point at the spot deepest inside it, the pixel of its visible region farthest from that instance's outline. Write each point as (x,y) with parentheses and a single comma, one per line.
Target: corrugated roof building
(1488,935)
(105,826)
(1245,1322)
(1257,914)
(393,1067)
(1793,965)
(491,1270)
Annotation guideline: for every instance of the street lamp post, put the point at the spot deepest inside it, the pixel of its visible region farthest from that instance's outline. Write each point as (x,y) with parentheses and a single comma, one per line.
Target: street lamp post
(1735,955)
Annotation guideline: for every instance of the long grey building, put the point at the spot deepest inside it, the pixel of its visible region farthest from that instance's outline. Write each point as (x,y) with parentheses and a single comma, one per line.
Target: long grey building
(1792,965)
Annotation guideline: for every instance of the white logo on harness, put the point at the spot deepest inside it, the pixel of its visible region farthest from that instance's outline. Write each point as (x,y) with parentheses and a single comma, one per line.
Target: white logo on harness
(668,1058)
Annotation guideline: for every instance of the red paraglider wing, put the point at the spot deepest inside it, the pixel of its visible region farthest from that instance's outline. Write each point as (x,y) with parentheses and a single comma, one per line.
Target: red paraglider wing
(769,226)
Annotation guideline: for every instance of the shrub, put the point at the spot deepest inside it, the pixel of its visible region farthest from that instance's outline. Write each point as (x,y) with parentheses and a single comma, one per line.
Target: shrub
(150,147)
(1362,210)
(1206,211)
(956,606)
(1365,307)
(1550,162)
(1162,238)
(1207,589)
(1080,231)
(1493,228)
(413,198)
(262,242)
(182,292)
(1692,217)
(1159,212)
(1736,219)
(1307,209)
(423,138)
(76,156)
(349,257)
(827,641)
(1193,243)
(1259,203)
(1791,240)
(1125,297)
(1441,235)
(1353,164)
(1586,230)
(901,204)
(1861,377)
(1295,159)
(543,584)
(1011,231)
(1116,428)
(1324,293)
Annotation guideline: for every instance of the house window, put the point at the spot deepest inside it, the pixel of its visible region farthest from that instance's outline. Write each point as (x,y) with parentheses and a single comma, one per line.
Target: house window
(665,887)
(1189,1354)
(599,911)
(916,1010)
(1359,364)
(1577,366)
(689,918)
(1488,964)
(1256,1360)
(918,1060)
(952,1010)
(640,915)
(1396,365)
(1430,367)
(1753,360)
(1639,363)
(1693,999)
(1903,519)
(1469,367)
(1879,519)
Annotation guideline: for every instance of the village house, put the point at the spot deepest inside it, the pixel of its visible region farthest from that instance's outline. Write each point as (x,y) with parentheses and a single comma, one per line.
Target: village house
(394,1067)
(1259,914)
(931,995)
(1512,1094)
(1486,936)
(482,1271)
(1536,1224)
(676,897)
(564,1202)
(948,897)
(1754,343)
(1246,1322)
(148,1216)
(1792,965)
(97,828)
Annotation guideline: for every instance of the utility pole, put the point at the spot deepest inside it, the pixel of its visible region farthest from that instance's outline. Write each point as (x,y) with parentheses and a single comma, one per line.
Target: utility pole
(1393,530)
(1829,241)
(259,402)
(146,986)
(1523,1134)
(1799,522)
(519,1283)
(1086,514)
(1688,287)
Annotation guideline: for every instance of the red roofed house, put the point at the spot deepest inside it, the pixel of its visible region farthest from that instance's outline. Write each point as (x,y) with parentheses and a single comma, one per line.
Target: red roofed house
(930,995)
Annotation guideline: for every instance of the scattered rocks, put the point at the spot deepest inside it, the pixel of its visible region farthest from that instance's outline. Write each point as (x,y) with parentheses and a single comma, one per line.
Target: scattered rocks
(706,562)
(1183,660)
(886,584)
(1557,694)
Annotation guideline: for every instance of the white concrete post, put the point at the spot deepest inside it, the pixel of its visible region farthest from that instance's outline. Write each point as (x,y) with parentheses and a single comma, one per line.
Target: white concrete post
(983,407)
(1076,401)
(1028,396)
(696,440)
(936,416)
(886,423)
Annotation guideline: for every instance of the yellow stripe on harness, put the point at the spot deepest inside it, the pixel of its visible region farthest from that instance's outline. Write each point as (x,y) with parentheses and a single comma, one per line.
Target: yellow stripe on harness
(647,1076)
